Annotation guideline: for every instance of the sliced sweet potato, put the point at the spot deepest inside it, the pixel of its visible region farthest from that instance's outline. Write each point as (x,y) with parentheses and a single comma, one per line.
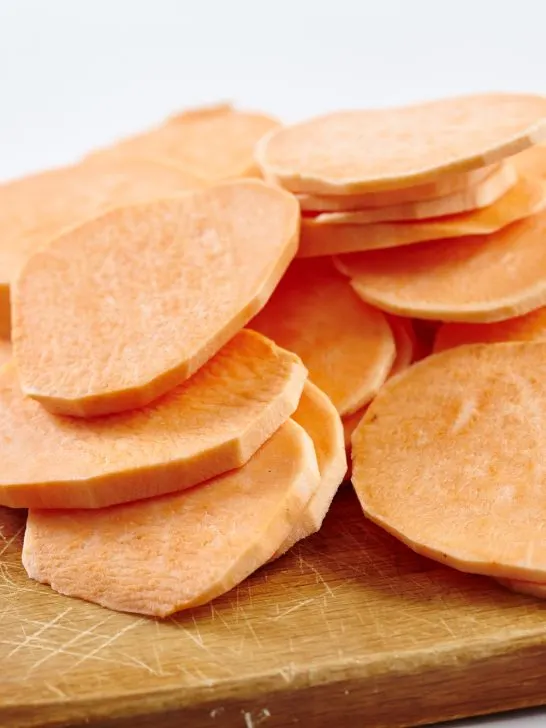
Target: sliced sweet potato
(210,424)
(35,209)
(215,142)
(530,588)
(379,149)
(348,348)
(405,342)
(177,551)
(120,310)
(444,185)
(468,279)
(526,198)
(449,458)
(476,197)
(530,327)
(5,352)
(319,418)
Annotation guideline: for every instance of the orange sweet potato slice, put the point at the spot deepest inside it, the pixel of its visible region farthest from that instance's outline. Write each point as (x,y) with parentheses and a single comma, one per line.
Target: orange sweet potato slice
(215,142)
(530,327)
(443,185)
(35,209)
(5,352)
(526,198)
(449,458)
(319,418)
(379,149)
(520,586)
(405,343)
(348,348)
(177,551)
(467,279)
(210,424)
(149,293)
(476,197)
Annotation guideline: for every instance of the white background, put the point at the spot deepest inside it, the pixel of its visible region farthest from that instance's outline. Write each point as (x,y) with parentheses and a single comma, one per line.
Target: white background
(75,74)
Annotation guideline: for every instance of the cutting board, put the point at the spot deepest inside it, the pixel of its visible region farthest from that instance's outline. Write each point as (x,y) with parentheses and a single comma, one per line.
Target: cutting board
(350,627)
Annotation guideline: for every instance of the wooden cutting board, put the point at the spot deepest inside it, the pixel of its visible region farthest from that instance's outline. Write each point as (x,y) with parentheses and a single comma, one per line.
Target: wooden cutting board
(350,627)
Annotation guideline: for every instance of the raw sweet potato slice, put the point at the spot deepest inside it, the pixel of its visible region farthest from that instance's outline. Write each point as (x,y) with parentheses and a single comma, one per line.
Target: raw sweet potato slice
(530,327)
(35,209)
(520,586)
(404,339)
(444,185)
(180,550)
(215,142)
(449,458)
(348,348)
(473,198)
(120,310)
(319,418)
(210,424)
(467,279)
(5,352)
(379,149)
(526,198)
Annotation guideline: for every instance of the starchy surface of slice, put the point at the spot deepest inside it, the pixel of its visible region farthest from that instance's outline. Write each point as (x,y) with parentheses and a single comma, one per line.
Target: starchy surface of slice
(520,586)
(530,327)
(526,198)
(476,197)
(319,418)
(449,458)
(35,209)
(379,149)
(173,552)
(122,309)
(215,142)
(210,424)
(464,279)
(444,185)
(348,348)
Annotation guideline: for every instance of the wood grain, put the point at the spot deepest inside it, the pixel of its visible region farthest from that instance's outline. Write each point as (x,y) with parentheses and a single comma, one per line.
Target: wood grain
(350,626)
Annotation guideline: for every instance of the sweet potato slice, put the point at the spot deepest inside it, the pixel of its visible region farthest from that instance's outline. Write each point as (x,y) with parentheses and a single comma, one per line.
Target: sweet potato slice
(467,279)
(443,185)
(35,209)
(530,327)
(530,588)
(5,352)
(212,423)
(348,348)
(379,149)
(215,142)
(449,458)
(319,418)
(404,339)
(526,198)
(473,198)
(177,551)
(120,310)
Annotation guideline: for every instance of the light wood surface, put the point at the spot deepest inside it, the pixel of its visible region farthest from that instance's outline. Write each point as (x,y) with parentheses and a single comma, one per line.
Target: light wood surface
(349,628)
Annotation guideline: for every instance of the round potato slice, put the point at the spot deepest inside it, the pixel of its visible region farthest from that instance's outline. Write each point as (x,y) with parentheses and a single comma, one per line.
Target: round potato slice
(444,185)
(464,279)
(473,198)
(119,310)
(525,198)
(347,347)
(449,458)
(530,327)
(379,149)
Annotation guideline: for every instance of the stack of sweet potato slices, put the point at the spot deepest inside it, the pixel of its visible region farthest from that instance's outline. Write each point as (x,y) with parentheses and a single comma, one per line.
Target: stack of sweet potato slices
(194,350)
(164,450)
(436,214)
